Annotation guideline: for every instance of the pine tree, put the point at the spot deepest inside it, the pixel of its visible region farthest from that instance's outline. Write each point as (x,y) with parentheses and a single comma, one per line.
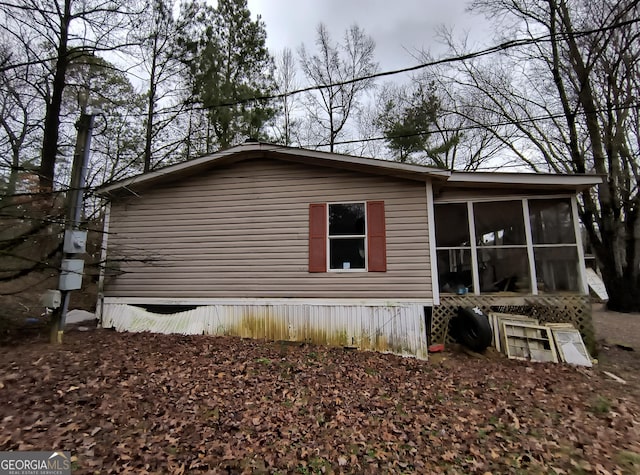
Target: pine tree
(229,66)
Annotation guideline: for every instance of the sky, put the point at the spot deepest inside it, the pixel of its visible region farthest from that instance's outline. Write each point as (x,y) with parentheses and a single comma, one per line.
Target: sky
(400,28)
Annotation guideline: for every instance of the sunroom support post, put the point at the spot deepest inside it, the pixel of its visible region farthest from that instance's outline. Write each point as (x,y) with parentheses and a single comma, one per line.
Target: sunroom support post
(576,226)
(529,240)
(474,254)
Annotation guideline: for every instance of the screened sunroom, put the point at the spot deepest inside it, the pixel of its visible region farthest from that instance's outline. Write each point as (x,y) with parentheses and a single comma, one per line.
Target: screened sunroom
(518,246)
(510,243)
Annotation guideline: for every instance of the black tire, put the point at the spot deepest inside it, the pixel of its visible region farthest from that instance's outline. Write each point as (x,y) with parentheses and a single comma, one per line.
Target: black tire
(472,328)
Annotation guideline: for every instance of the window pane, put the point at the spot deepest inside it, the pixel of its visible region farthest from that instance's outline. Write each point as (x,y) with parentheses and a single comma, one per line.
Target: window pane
(346,219)
(452,225)
(504,270)
(557,269)
(551,221)
(454,271)
(499,223)
(347,253)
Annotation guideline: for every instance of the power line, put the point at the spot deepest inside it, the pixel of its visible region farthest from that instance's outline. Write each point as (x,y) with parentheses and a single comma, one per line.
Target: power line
(460,128)
(477,126)
(450,59)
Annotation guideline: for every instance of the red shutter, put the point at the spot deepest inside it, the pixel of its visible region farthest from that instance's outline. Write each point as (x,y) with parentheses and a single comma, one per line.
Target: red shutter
(376,237)
(318,237)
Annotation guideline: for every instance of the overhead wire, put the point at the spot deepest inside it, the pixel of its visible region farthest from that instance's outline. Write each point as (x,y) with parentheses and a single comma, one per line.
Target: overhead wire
(462,57)
(450,59)
(477,126)
(519,42)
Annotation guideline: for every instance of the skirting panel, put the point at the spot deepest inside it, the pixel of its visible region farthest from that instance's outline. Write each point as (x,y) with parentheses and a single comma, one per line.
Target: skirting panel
(575,309)
(398,329)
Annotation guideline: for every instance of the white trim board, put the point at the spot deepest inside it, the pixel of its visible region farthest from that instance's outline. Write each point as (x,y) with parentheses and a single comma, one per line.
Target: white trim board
(265,301)
(103,259)
(489,199)
(433,257)
(253,149)
(596,284)
(514,179)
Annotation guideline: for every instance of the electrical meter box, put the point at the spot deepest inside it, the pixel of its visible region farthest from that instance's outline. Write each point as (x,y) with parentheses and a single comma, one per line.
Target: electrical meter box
(75,241)
(71,274)
(51,299)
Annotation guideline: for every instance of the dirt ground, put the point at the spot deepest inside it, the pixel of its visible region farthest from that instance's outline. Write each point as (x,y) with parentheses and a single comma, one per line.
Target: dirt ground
(146,403)
(618,336)
(616,327)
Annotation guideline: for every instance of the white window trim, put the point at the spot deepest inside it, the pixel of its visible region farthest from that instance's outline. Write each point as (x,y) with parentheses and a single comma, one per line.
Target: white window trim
(433,259)
(582,283)
(347,236)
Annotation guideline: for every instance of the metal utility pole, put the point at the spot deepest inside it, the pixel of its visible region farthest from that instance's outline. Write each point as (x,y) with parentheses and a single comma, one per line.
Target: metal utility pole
(74,238)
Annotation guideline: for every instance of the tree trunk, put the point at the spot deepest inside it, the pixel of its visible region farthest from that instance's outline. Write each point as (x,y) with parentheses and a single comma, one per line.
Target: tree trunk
(621,281)
(151,107)
(13,172)
(624,293)
(52,115)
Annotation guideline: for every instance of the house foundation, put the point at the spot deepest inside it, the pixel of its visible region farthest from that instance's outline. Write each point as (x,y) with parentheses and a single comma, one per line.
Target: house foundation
(393,327)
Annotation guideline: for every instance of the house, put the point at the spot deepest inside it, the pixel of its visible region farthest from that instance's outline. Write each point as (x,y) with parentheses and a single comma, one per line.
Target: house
(282,243)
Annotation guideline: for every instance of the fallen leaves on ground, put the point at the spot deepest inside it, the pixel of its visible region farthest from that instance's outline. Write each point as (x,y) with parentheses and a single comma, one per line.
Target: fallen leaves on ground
(146,403)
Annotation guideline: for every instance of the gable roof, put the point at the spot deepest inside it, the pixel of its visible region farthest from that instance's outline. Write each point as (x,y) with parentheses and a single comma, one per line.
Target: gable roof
(252,150)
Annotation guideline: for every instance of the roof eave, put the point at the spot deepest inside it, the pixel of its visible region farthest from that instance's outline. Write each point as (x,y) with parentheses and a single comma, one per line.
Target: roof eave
(576,182)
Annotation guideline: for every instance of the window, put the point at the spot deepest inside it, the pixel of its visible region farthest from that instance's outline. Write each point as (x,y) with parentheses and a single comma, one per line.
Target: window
(347,237)
(554,245)
(454,248)
(486,247)
(501,247)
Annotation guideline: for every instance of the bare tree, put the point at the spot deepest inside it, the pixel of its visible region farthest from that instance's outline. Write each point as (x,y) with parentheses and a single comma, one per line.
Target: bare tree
(462,118)
(567,102)
(52,44)
(52,33)
(157,34)
(19,121)
(343,73)
(96,84)
(368,130)
(285,79)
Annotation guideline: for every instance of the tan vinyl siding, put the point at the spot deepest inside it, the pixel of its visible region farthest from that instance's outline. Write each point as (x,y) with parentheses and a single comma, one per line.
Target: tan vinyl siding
(242,232)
